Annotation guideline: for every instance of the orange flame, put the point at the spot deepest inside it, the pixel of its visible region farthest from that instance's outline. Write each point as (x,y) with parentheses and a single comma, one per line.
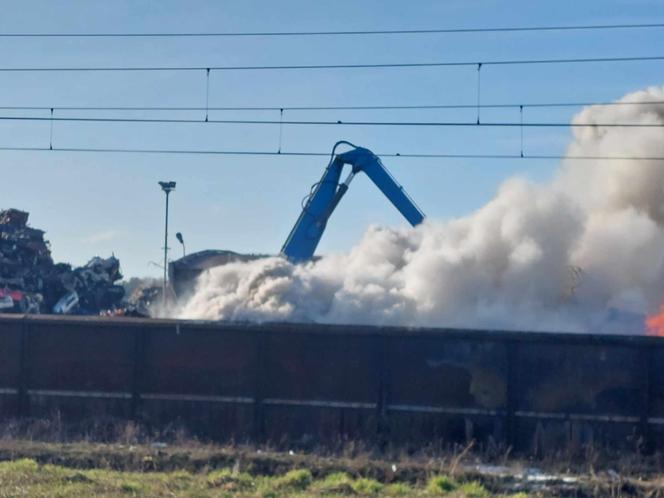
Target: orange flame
(655,323)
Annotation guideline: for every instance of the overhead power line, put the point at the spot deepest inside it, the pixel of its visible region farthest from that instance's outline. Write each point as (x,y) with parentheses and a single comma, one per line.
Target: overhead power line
(504,29)
(327,154)
(330,108)
(507,62)
(496,124)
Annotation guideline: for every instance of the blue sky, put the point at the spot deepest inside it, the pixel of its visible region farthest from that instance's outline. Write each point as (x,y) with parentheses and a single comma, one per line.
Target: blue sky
(98,204)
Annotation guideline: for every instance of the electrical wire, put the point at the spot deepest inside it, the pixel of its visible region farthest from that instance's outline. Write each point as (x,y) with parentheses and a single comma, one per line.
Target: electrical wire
(280,122)
(402,65)
(330,108)
(326,154)
(505,29)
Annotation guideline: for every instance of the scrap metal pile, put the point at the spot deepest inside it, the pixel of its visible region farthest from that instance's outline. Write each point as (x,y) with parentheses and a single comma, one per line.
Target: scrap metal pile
(30,282)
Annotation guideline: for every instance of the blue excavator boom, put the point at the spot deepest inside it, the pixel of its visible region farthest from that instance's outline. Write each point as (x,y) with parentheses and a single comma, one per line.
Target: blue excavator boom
(326,194)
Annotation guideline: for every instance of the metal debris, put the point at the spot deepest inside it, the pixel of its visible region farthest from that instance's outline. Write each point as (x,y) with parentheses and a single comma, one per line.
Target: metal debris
(141,300)
(30,282)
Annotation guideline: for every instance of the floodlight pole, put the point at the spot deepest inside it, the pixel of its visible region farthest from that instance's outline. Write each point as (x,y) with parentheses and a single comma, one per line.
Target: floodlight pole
(167,187)
(165,251)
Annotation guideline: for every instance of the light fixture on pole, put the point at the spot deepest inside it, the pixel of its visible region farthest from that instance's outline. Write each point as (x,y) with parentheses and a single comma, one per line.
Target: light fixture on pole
(181,240)
(167,187)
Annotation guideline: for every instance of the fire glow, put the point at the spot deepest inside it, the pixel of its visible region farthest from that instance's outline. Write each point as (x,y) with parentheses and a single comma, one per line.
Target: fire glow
(655,323)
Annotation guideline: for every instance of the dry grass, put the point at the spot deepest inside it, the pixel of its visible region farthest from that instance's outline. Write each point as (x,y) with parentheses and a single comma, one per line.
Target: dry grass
(108,459)
(27,478)
(31,469)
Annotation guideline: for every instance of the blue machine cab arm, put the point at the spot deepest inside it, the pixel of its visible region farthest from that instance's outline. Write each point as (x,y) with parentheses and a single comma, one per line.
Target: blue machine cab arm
(319,205)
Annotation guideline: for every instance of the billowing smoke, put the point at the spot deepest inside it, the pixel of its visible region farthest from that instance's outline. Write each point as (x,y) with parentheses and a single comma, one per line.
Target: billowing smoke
(572,254)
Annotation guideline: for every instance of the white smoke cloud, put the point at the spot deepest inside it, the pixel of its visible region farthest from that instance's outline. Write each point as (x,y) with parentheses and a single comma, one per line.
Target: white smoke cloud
(557,256)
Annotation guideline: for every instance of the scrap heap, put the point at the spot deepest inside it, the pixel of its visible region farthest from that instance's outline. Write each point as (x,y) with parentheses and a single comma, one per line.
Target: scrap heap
(30,282)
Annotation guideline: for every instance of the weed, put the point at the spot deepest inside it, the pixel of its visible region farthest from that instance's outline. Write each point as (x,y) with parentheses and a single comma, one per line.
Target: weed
(397,489)
(338,483)
(440,485)
(364,486)
(473,489)
(298,479)
(78,477)
(130,487)
(24,465)
(227,480)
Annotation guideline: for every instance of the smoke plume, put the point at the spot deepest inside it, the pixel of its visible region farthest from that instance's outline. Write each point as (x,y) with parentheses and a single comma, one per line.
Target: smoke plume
(572,254)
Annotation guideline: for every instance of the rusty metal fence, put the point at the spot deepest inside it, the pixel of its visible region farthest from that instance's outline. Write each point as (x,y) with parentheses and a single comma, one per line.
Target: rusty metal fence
(319,384)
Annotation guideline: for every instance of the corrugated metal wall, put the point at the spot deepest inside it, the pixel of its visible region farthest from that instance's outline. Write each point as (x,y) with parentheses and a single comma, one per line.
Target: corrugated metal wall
(317,384)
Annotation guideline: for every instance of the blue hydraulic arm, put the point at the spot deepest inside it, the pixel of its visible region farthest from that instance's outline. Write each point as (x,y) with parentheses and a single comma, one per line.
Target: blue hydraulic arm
(326,194)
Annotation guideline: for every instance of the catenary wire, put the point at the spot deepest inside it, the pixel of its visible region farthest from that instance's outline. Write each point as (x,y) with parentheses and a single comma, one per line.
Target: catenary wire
(326,154)
(494,124)
(330,108)
(402,65)
(503,29)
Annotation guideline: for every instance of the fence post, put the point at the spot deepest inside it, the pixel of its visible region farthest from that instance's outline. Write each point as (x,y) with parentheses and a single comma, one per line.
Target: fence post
(645,357)
(23,405)
(138,359)
(511,389)
(382,401)
(260,352)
